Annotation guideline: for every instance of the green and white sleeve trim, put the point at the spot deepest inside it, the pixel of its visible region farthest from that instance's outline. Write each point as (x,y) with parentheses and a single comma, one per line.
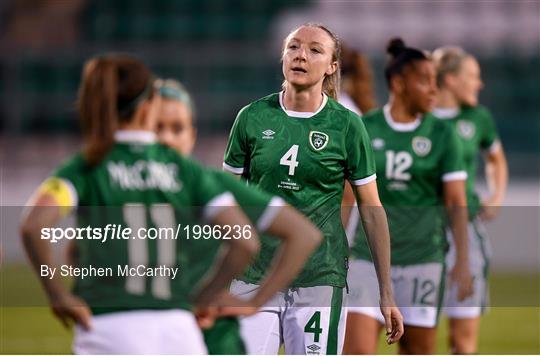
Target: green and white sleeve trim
(452,176)
(364,181)
(494,147)
(270,213)
(217,205)
(231,169)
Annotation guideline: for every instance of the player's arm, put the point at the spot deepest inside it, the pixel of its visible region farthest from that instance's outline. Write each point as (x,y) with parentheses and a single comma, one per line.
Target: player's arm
(496,169)
(347,204)
(454,178)
(234,256)
(48,205)
(378,237)
(455,202)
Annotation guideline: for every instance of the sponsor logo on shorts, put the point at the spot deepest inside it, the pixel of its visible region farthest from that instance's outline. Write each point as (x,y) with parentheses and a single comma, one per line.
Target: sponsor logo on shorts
(313,349)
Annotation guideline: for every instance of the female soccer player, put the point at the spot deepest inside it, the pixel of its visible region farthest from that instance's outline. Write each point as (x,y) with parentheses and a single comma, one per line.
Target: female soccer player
(459,82)
(419,169)
(124,178)
(302,145)
(176,129)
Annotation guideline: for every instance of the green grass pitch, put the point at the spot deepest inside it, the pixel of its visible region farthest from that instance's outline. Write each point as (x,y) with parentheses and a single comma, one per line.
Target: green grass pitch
(30,330)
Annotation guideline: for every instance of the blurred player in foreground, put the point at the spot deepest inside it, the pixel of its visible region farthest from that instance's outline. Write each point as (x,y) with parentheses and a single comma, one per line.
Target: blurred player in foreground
(175,127)
(459,82)
(124,177)
(302,145)
(419,170)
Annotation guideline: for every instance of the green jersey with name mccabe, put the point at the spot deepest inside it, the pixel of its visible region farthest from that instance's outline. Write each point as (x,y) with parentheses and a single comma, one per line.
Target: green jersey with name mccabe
(477,131)
(413,162)
(305,159)
(144,185)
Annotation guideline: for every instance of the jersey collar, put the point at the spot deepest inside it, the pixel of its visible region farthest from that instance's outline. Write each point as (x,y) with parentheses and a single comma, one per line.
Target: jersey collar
(445,113)
(135,136)
(399,126)
(302,114)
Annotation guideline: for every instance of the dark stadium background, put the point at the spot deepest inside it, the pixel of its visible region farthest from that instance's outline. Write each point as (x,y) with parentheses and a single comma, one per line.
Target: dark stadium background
(227,54)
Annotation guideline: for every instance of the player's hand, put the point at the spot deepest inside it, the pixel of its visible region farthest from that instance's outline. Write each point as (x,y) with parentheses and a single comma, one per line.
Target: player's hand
(461,276)
(68,308)
(489,210)
(205,316)
(393,320)
(223,305)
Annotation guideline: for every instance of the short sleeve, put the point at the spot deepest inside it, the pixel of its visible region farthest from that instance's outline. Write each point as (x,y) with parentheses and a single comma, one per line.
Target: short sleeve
(72,174)
(452,162)
(489,138)
(260,207)
(236,153)
(360,162)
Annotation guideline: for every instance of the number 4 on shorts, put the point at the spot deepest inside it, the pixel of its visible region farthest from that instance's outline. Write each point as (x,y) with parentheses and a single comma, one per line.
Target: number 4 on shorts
(314,326)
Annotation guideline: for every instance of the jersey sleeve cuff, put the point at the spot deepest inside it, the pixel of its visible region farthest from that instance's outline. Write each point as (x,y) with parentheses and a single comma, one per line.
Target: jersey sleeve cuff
(452,176)
(231,169)
(217,205)
(365,180)
(270,213)
(494,147)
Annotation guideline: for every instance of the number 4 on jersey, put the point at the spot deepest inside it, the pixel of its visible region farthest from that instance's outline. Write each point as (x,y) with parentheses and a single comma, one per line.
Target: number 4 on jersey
(289,159)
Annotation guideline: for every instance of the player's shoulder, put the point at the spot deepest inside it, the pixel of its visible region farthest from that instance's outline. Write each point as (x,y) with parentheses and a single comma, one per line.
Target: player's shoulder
(477,112)
(438,126)
(270,101)
(73,165)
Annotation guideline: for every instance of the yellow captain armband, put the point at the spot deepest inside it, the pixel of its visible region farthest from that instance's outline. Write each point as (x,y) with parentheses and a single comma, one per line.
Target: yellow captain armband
(62,191)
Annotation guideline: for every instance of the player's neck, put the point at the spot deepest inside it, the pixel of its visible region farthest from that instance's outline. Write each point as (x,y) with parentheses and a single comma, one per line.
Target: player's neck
(400,113)
(308,100)
(446,100)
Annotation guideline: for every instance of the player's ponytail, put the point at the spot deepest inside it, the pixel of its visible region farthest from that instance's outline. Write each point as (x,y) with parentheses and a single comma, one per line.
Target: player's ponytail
(400,57)
(112,87)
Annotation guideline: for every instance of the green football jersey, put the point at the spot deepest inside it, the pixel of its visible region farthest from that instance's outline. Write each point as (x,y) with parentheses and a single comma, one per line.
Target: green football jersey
(413,162)
(477,131)
(305,159)
(142,184)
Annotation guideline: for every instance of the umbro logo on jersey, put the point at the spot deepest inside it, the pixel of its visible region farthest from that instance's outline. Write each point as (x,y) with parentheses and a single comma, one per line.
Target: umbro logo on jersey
(268,134)
(377,143)
(466,129)
(314,349)
(318,140)
(421,145)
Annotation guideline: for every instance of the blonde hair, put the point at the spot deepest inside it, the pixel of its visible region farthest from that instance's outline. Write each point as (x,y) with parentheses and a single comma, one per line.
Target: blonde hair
(332,82)
(448,60)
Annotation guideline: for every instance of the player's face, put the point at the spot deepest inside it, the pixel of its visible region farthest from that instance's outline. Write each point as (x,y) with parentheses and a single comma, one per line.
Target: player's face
(468,82)
(307,57)
(175,126)
(420,87)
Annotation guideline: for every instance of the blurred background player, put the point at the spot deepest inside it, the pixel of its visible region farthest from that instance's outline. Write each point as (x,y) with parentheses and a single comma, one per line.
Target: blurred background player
(175,127)
(302,145)
(459,82)
(356,92)
(419,170)
(118,108)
